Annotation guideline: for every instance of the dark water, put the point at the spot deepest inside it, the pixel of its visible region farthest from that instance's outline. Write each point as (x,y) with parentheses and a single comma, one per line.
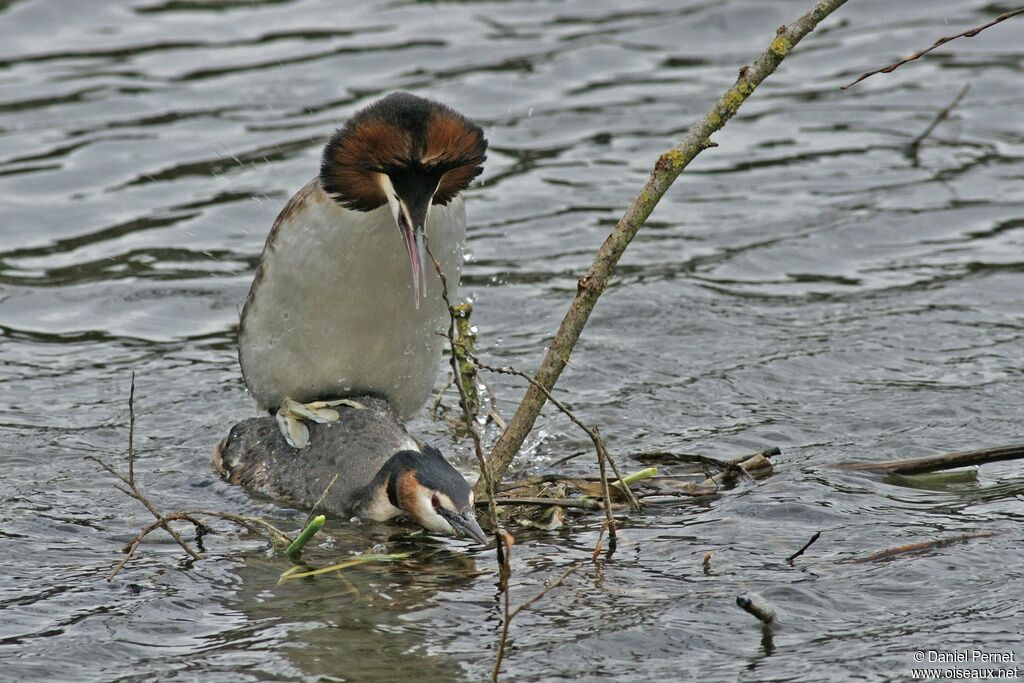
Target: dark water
(804,285)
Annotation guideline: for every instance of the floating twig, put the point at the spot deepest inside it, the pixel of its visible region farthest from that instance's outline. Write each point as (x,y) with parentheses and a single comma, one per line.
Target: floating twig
(920,547)
(970,33)
(804,547)
(721,463)
(163,521)
(932,463)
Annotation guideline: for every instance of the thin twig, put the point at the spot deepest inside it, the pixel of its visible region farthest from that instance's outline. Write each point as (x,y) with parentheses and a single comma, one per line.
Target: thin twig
(970,33)
(508,616)
(592,432)
(554,584)
(582,503)
(914,148)
(161,523)
(164,521)
(439,398)
(135,493)
(666,170)
(804,548)
(254,524)
(131,433)
(505,554)
(319,501)
(478,448)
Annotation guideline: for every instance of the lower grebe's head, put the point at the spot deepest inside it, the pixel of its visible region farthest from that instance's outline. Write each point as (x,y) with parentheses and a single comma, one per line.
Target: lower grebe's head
(428,490)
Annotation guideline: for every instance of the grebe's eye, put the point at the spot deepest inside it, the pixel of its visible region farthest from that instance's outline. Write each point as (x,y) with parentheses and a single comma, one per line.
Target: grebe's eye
(436,502)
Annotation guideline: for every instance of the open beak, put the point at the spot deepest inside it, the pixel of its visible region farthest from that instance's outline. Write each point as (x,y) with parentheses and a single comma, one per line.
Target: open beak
(412,222)
(465,523)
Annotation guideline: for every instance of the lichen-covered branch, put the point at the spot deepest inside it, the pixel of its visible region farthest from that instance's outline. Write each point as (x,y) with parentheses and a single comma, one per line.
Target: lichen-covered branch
(666,170)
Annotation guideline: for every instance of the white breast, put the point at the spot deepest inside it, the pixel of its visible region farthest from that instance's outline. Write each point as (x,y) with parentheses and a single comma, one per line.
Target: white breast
(332,313)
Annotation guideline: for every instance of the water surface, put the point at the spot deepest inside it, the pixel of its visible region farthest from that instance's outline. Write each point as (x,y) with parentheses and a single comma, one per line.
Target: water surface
(806,284)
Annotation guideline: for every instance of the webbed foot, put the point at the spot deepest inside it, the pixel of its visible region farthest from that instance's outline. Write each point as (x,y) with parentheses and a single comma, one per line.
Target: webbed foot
(291,416)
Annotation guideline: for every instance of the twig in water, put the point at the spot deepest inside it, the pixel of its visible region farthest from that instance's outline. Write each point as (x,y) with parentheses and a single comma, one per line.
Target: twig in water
(507,615)
(919,547)
(804,548)
(724,464)
(582,503)
(254,524)
(666,170)
(592,432)
(970,33)
(933,463)
(135,493)
(131,433)
(505,557)
(914,148)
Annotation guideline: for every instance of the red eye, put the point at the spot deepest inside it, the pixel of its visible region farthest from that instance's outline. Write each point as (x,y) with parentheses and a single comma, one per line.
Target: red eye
(436,502)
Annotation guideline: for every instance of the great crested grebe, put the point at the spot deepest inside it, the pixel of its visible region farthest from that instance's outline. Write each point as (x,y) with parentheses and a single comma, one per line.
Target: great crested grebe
(343,301)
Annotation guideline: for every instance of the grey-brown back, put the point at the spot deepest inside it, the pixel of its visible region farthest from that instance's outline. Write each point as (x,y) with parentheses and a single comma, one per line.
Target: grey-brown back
(256,456)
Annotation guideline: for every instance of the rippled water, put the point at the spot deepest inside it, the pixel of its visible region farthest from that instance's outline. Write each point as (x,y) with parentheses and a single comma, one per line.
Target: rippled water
(805,285)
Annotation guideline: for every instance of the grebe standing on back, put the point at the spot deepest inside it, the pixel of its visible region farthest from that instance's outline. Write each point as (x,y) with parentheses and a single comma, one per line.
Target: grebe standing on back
(333,311)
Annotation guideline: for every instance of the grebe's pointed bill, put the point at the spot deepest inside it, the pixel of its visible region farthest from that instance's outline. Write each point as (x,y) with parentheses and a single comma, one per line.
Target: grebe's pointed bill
(411,218)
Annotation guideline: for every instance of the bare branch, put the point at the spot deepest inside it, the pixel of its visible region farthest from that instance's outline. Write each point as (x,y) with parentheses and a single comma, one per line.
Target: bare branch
(665,172)
(595,435)
(970,33)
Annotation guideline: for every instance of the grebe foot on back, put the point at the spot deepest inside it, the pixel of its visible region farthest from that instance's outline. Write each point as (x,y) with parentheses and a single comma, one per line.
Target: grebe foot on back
(291,414)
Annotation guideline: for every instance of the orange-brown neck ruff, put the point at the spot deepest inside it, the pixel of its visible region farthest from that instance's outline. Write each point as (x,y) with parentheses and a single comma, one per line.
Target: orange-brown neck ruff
(423,142)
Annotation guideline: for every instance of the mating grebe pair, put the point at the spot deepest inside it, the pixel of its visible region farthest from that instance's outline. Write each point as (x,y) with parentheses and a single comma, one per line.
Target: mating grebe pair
(336,333)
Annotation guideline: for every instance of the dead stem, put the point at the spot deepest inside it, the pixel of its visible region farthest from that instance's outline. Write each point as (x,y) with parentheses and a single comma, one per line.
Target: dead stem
(162,521)
(457,378)
(507,615)
(970,33)
(595,435)
(804,547)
